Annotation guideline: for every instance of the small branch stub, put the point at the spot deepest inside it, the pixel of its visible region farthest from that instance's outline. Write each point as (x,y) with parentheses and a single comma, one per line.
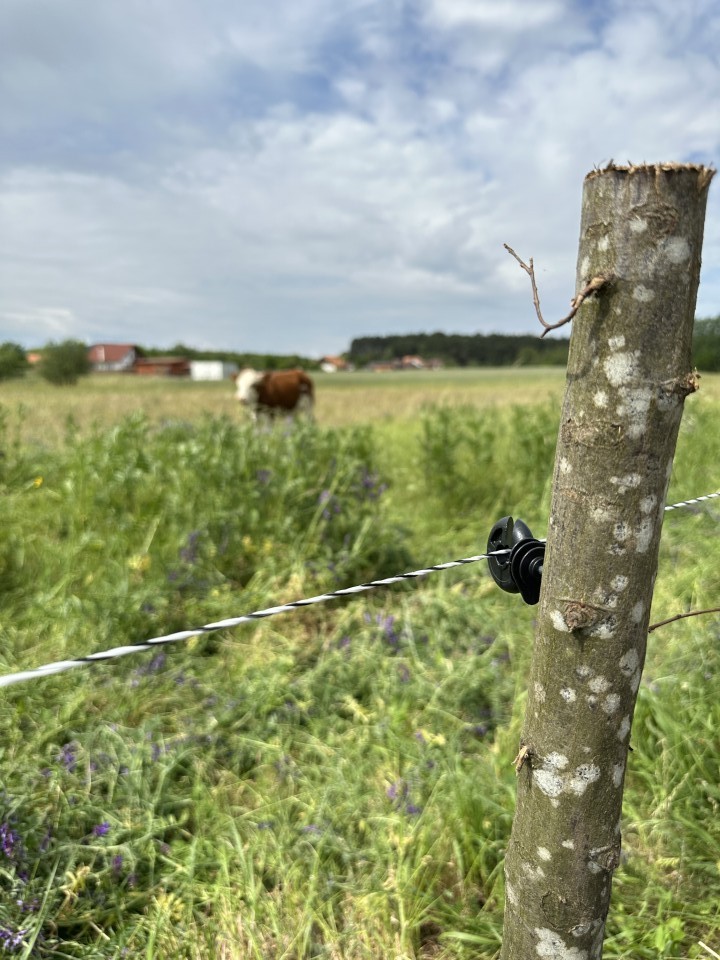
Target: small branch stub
(592,286)
(524,755)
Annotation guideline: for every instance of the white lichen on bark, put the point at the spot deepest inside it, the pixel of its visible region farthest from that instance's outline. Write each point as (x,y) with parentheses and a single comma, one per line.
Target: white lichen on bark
(628,375)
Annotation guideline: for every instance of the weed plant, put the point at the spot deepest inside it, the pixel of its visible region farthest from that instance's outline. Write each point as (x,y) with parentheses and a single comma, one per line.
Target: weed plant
(474,464)
(336,782)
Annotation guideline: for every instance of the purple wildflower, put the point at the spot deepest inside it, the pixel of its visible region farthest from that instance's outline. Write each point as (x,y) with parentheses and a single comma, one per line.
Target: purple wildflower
(117,863)
(413,810)
(371,485)
(154,666)
(189,553)
(11,940)
(32,907)
(9,839)
(397,790)
(68,757)
(502,657)
(479,729)
(157,662)
(388,628)
(101,829)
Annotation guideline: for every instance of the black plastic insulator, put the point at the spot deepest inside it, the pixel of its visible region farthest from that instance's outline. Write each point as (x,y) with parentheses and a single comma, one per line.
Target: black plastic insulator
(519,570)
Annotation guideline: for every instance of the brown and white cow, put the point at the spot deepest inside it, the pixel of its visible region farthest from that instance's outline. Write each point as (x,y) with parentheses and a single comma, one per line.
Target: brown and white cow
(275,392)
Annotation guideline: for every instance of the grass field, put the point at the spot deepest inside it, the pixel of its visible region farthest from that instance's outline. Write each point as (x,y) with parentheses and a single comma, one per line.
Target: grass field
(336,782)
(342,399)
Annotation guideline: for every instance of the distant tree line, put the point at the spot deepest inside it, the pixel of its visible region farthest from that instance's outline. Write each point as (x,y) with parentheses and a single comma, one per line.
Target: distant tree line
(65,362)
(500,350)
(483,350)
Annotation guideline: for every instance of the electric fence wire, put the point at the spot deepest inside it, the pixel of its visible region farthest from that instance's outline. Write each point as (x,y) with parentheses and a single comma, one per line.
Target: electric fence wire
(689,503)
(60,666)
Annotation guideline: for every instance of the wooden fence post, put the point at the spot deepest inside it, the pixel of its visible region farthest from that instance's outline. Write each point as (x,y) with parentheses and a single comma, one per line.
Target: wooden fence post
(628,375)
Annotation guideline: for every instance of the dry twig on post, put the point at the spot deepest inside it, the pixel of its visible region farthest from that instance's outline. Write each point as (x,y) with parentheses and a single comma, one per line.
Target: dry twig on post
(591,287)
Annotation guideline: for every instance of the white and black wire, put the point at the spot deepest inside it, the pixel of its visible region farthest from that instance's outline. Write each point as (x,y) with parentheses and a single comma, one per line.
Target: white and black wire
(60,666)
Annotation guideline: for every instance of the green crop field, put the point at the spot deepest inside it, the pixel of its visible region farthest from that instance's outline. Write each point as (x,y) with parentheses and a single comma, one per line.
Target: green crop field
(336,782)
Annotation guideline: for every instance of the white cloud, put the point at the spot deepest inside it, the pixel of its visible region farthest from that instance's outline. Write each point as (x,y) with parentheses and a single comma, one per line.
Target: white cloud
(508,17)
(290,175)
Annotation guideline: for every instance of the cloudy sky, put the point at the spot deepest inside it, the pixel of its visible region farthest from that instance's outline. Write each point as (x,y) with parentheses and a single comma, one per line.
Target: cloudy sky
(285,175)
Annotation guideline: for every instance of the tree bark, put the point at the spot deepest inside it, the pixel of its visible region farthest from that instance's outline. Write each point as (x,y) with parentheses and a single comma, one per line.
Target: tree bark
(627,378)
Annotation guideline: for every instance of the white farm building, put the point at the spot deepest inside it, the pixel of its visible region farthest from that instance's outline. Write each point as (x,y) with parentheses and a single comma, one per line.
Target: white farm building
(211,370)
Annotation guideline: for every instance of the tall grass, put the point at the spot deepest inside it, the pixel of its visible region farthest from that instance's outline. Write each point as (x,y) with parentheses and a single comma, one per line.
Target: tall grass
(337,782)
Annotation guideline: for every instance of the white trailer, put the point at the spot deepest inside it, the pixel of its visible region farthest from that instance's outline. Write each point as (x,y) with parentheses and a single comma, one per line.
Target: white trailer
(212,370)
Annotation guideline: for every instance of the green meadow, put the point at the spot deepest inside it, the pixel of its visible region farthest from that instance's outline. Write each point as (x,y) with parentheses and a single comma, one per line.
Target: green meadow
(335,782)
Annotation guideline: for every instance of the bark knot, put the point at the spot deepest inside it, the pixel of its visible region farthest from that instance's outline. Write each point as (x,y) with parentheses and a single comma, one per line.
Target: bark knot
(607,857)
(681,386)
(580,616)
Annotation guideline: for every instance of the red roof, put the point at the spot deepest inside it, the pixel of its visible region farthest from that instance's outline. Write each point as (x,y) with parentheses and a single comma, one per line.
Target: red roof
(109,352)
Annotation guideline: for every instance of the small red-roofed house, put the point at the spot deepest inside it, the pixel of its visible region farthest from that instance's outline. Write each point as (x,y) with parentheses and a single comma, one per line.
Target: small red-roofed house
(112,357)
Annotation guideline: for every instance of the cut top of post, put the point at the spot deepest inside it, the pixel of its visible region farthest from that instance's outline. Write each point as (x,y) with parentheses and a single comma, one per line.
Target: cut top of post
(705,174)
